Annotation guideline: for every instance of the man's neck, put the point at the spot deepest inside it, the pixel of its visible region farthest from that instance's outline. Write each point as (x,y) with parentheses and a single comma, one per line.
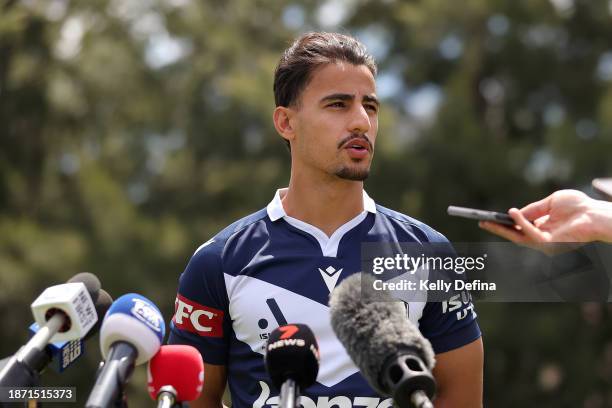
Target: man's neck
(326,205)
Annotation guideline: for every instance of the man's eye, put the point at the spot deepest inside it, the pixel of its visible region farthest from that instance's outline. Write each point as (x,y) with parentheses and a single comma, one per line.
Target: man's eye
(336,105)
(372,108)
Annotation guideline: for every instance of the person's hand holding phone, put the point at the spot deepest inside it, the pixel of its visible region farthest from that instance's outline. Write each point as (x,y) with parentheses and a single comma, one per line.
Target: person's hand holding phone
(564,216)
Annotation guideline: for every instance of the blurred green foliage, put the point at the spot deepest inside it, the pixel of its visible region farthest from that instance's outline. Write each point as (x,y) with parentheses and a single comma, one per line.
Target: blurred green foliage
(133,130)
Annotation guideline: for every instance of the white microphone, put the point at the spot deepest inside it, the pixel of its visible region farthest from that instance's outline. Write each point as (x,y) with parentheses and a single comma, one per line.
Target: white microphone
(64,312)
(67,310)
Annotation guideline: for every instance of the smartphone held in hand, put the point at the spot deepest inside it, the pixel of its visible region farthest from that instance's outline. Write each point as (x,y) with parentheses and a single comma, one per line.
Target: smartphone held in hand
(481,215)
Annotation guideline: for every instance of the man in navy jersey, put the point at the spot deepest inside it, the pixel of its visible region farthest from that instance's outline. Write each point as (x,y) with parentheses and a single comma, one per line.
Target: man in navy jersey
(280,264)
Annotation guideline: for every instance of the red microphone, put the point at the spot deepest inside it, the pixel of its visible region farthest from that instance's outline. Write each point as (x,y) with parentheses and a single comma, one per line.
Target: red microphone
(175,374)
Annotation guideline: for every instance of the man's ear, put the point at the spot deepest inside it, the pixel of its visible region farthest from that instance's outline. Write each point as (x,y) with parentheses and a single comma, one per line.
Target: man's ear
(283,118)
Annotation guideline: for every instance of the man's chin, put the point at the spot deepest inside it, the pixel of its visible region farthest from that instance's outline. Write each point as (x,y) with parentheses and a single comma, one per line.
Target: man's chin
(353,174)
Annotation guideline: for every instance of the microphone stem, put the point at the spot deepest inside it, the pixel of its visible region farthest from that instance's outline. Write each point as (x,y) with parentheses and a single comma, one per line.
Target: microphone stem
(165,399)
(40,340)
(23,368)
(419,399)
(112,378)
(289,394)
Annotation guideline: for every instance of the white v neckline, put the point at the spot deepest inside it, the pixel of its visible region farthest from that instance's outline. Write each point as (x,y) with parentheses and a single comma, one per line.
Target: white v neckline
(329,245)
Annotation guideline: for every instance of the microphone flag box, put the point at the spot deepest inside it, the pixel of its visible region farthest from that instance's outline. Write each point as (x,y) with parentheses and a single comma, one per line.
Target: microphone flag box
(74,301)
(63,353)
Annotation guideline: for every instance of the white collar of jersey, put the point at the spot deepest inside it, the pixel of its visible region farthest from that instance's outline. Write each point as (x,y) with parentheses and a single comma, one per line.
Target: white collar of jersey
(329,245)
(276,211)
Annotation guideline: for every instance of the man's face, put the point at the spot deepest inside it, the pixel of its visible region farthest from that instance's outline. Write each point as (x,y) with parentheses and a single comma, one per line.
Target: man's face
(336,121)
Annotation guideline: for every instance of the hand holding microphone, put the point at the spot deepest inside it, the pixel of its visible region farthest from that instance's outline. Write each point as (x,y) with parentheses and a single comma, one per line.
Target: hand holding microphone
(292,361)
(131,334)
(175,374)
(392,355)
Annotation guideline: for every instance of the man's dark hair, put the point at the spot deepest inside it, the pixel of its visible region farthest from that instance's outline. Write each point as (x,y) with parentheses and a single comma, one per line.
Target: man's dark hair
(309,52)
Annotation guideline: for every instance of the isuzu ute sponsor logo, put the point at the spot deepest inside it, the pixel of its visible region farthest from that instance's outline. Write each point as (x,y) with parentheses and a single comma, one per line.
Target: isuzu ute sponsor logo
(338,401)
(461,304)
(197,318)
(278,316)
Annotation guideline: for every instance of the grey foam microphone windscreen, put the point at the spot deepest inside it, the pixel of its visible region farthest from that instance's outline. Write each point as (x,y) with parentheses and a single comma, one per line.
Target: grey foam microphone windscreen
(102,303)
(91,282)
(372,330)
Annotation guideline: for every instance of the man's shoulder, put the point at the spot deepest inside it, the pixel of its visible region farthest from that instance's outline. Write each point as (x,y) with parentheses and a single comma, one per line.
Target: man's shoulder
(216,244)
(411,224)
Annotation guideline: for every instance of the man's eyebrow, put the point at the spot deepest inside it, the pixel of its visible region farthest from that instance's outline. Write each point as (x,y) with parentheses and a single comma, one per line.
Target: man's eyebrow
(372,99)
(348,97)
(338,96)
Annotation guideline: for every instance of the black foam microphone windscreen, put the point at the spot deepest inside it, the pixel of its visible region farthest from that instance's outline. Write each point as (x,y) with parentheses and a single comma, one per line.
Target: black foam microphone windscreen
(292,353)
(375,331)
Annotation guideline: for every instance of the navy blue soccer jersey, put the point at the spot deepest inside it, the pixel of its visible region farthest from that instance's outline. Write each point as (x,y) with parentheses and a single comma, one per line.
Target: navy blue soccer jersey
(269,269)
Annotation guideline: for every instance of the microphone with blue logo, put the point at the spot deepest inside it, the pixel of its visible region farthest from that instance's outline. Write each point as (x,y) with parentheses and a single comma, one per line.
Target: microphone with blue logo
(132,333)
(62,354)
(64,313)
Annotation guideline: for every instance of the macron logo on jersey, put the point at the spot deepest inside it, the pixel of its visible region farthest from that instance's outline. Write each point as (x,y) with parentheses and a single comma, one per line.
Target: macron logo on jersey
(330,275)
(196,318)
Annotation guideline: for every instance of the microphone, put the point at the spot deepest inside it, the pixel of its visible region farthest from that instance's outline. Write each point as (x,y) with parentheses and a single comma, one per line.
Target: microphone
(61,355)
(103,303)
(175,374)
(69,306)
(292,361)
(64,313)
(131,333)
(391,353)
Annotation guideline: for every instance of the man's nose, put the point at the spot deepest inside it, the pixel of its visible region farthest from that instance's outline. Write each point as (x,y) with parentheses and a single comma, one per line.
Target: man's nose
(360,120)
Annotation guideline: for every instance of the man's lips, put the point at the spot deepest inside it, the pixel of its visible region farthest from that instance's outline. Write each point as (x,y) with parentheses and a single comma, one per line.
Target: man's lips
(358,144)
(358,148)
